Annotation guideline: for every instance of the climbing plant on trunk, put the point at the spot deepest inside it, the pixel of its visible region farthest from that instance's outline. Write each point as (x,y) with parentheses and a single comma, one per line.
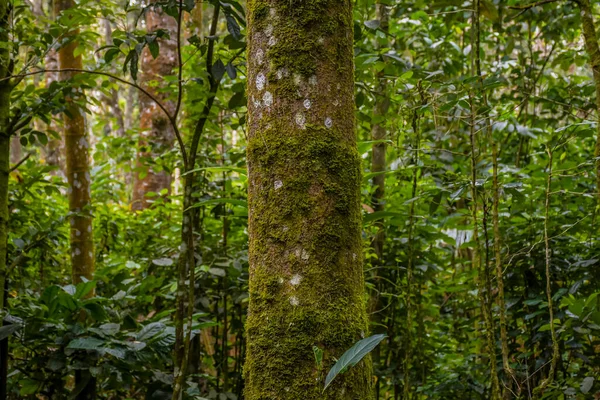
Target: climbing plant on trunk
(306,278)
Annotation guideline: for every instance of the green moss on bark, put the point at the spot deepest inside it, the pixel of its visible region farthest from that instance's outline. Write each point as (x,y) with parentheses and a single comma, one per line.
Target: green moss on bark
(306,278)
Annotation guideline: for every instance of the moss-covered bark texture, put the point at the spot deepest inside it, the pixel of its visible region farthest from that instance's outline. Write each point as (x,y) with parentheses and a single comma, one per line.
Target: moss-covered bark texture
(78,168)
(306,278)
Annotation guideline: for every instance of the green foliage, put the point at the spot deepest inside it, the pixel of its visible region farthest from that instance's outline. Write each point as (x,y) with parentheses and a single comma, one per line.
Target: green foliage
(352,356)
(537,94)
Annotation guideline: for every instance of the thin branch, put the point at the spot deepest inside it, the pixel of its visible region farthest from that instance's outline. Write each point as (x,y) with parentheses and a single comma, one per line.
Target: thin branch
(17,165)
(179,62)
(214,87)
(531,5)
(171,118)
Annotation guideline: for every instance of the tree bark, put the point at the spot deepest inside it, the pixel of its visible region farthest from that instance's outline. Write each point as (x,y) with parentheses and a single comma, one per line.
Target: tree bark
(593,50)
(306,277)
(79,180)
(157,134)
(77,157)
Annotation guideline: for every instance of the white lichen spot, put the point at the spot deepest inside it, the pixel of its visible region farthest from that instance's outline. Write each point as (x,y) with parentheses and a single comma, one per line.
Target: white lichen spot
(313,80)
(269,30)
(260,56)
(83,143)
(328,123)
(268,99)
(77,232)
(89,228)
(272,41)
(272,12)
(296,279)
(305,256)
(321,40)
(256,103)
(294,301)
(77,251)
(75,175)
(354,256)
(280,73)
(90,254)
(336,102)
(285,228)
(280,281)
(307,104)
(261,81)
(300,120)
(278,184)
(297,79)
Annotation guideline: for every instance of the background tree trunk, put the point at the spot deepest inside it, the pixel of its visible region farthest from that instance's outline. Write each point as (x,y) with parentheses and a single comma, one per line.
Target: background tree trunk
(306,277)
(78,176)
(157,134)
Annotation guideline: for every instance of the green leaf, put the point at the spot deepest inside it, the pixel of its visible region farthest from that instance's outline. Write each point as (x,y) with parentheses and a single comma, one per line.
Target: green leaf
(154,48)
(233,27)
(28,387)
(373,24)
(231,70)
(586,384)
(7,330)
(163,262)
(218,70)
(318,355)
(85,343)
(353,356)
(150,330)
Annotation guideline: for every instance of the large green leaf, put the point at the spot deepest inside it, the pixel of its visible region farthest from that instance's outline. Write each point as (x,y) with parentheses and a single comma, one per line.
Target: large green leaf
(86,343)
(353,356)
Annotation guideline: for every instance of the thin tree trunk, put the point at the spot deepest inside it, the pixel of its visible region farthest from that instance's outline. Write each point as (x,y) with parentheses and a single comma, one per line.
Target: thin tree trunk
(306,277)
(5,90)
(593,50)
(484,273)
(54,151)
(78,177)
(157,135)
(378,164)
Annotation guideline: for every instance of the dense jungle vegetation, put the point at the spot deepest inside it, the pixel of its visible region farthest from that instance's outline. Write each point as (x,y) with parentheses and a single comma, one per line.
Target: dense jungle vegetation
(299,199)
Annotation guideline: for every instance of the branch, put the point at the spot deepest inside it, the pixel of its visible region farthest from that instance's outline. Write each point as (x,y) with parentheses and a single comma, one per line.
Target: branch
(172,118)
(214,87)
(17,165)
(179,62)
(536,4)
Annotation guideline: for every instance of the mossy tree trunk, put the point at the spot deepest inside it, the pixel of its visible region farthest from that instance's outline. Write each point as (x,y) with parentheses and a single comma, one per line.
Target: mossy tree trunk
(79,180)
(593,50)
(306,277)
(157,134)
(5,90)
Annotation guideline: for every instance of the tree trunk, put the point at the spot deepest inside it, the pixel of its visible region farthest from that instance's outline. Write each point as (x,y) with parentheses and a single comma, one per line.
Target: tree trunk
(306,277)
(593,50)
(157,134)
(378,164)
(78,177)
(54,151)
